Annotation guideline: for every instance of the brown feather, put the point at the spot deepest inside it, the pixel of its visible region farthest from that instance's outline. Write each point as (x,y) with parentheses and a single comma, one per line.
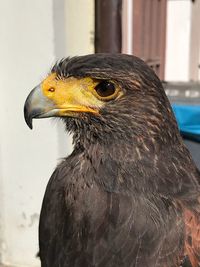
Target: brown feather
(192,237)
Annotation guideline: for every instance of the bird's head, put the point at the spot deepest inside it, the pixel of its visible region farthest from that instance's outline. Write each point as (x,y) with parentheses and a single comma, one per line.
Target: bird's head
(102,95)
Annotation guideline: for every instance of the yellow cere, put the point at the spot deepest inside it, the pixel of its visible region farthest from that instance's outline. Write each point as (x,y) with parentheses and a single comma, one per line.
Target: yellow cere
(71,94)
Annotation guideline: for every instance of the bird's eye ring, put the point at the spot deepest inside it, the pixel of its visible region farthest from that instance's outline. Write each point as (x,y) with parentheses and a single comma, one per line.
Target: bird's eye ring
(105,89)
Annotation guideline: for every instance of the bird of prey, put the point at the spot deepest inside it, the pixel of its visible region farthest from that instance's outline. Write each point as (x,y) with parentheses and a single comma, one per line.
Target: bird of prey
(129,194)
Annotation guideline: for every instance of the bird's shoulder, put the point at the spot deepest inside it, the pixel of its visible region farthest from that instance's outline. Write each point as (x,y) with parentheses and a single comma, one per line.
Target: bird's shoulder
(77,205)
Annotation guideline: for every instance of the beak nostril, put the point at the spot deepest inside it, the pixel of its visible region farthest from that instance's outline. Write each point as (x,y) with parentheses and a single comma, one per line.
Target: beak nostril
(51,89)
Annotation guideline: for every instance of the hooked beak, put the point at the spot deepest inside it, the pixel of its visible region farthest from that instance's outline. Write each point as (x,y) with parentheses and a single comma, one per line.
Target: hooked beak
(71,97)
(38,106)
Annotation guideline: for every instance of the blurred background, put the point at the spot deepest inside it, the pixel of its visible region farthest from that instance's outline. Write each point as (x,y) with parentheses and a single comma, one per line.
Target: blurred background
(33,35)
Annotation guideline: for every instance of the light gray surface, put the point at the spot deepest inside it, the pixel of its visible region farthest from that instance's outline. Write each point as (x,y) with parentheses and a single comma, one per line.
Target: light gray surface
(194,148)
(183,92)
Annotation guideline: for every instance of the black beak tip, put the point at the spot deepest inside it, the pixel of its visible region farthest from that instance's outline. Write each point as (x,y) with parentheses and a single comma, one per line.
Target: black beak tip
(30,124)
(28,117)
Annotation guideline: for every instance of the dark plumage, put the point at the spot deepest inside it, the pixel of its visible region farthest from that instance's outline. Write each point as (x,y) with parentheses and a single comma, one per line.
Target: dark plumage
(129,194)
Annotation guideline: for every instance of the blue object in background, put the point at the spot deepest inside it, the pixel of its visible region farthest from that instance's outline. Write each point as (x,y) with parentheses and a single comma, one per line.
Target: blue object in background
(188,118)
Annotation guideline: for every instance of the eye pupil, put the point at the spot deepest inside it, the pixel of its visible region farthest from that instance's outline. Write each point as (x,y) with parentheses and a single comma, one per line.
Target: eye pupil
(51,89)
(105,89)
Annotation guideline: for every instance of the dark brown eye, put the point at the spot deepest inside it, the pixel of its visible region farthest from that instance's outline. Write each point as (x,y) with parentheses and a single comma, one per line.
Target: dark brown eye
(51,89)
(105,89)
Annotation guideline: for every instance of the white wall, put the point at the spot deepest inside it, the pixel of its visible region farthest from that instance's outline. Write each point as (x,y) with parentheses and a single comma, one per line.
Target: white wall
(30,41)
(127,26)
(80,27)
(178,40)
(27,157)
(195,42)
